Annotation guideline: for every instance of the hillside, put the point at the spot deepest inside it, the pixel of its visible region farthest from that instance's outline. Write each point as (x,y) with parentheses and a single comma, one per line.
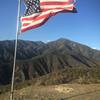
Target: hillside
(57,92)
(35,59)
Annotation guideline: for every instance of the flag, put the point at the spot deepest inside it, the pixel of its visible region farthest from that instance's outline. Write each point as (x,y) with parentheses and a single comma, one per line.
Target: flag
(39,11)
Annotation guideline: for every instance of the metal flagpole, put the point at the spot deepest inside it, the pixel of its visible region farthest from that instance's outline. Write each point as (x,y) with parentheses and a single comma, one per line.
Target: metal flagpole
(15,52)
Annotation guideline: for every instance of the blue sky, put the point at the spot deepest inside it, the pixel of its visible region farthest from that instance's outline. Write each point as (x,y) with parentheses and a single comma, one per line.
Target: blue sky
(83,27)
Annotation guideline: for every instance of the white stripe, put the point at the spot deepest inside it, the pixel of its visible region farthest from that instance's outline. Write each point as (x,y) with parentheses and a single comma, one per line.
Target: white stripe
(54,0)
(56,10)
(33,15)
(56,6)
(34,23)
(27,21)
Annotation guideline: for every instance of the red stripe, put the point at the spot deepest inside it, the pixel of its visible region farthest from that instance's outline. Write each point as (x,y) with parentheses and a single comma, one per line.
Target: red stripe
(34,26)
(25,24)
(67,8)
(36,18)
(53,3)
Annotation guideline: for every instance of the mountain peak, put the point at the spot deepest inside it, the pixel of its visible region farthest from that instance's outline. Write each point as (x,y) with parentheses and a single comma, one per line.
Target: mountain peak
(63,40)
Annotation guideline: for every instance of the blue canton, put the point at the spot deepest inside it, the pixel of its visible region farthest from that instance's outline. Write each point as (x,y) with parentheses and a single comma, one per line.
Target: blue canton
(32,6)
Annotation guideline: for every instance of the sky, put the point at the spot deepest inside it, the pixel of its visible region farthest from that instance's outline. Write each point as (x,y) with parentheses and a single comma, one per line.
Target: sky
(82,27)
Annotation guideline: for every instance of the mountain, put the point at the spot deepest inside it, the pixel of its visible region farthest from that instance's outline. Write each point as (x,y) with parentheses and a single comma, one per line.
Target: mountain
(35,59)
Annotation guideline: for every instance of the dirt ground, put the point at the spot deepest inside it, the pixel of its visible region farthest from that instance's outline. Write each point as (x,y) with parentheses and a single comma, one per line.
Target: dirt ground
(57,92)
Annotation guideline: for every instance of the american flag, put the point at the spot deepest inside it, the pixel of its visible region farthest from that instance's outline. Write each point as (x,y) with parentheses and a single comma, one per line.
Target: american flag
(39,11)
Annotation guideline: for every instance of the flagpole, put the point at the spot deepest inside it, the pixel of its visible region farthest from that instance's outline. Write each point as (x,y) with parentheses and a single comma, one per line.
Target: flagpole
(15,52)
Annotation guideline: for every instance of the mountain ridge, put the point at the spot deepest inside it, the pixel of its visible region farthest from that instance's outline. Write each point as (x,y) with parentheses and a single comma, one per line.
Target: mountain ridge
(35,59)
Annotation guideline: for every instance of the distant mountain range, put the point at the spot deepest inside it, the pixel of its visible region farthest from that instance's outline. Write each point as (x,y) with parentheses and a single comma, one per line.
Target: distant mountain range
(35,59)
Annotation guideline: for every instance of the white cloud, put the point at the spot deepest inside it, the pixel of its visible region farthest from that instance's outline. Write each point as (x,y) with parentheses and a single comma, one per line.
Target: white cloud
(94,48)
(46,41)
